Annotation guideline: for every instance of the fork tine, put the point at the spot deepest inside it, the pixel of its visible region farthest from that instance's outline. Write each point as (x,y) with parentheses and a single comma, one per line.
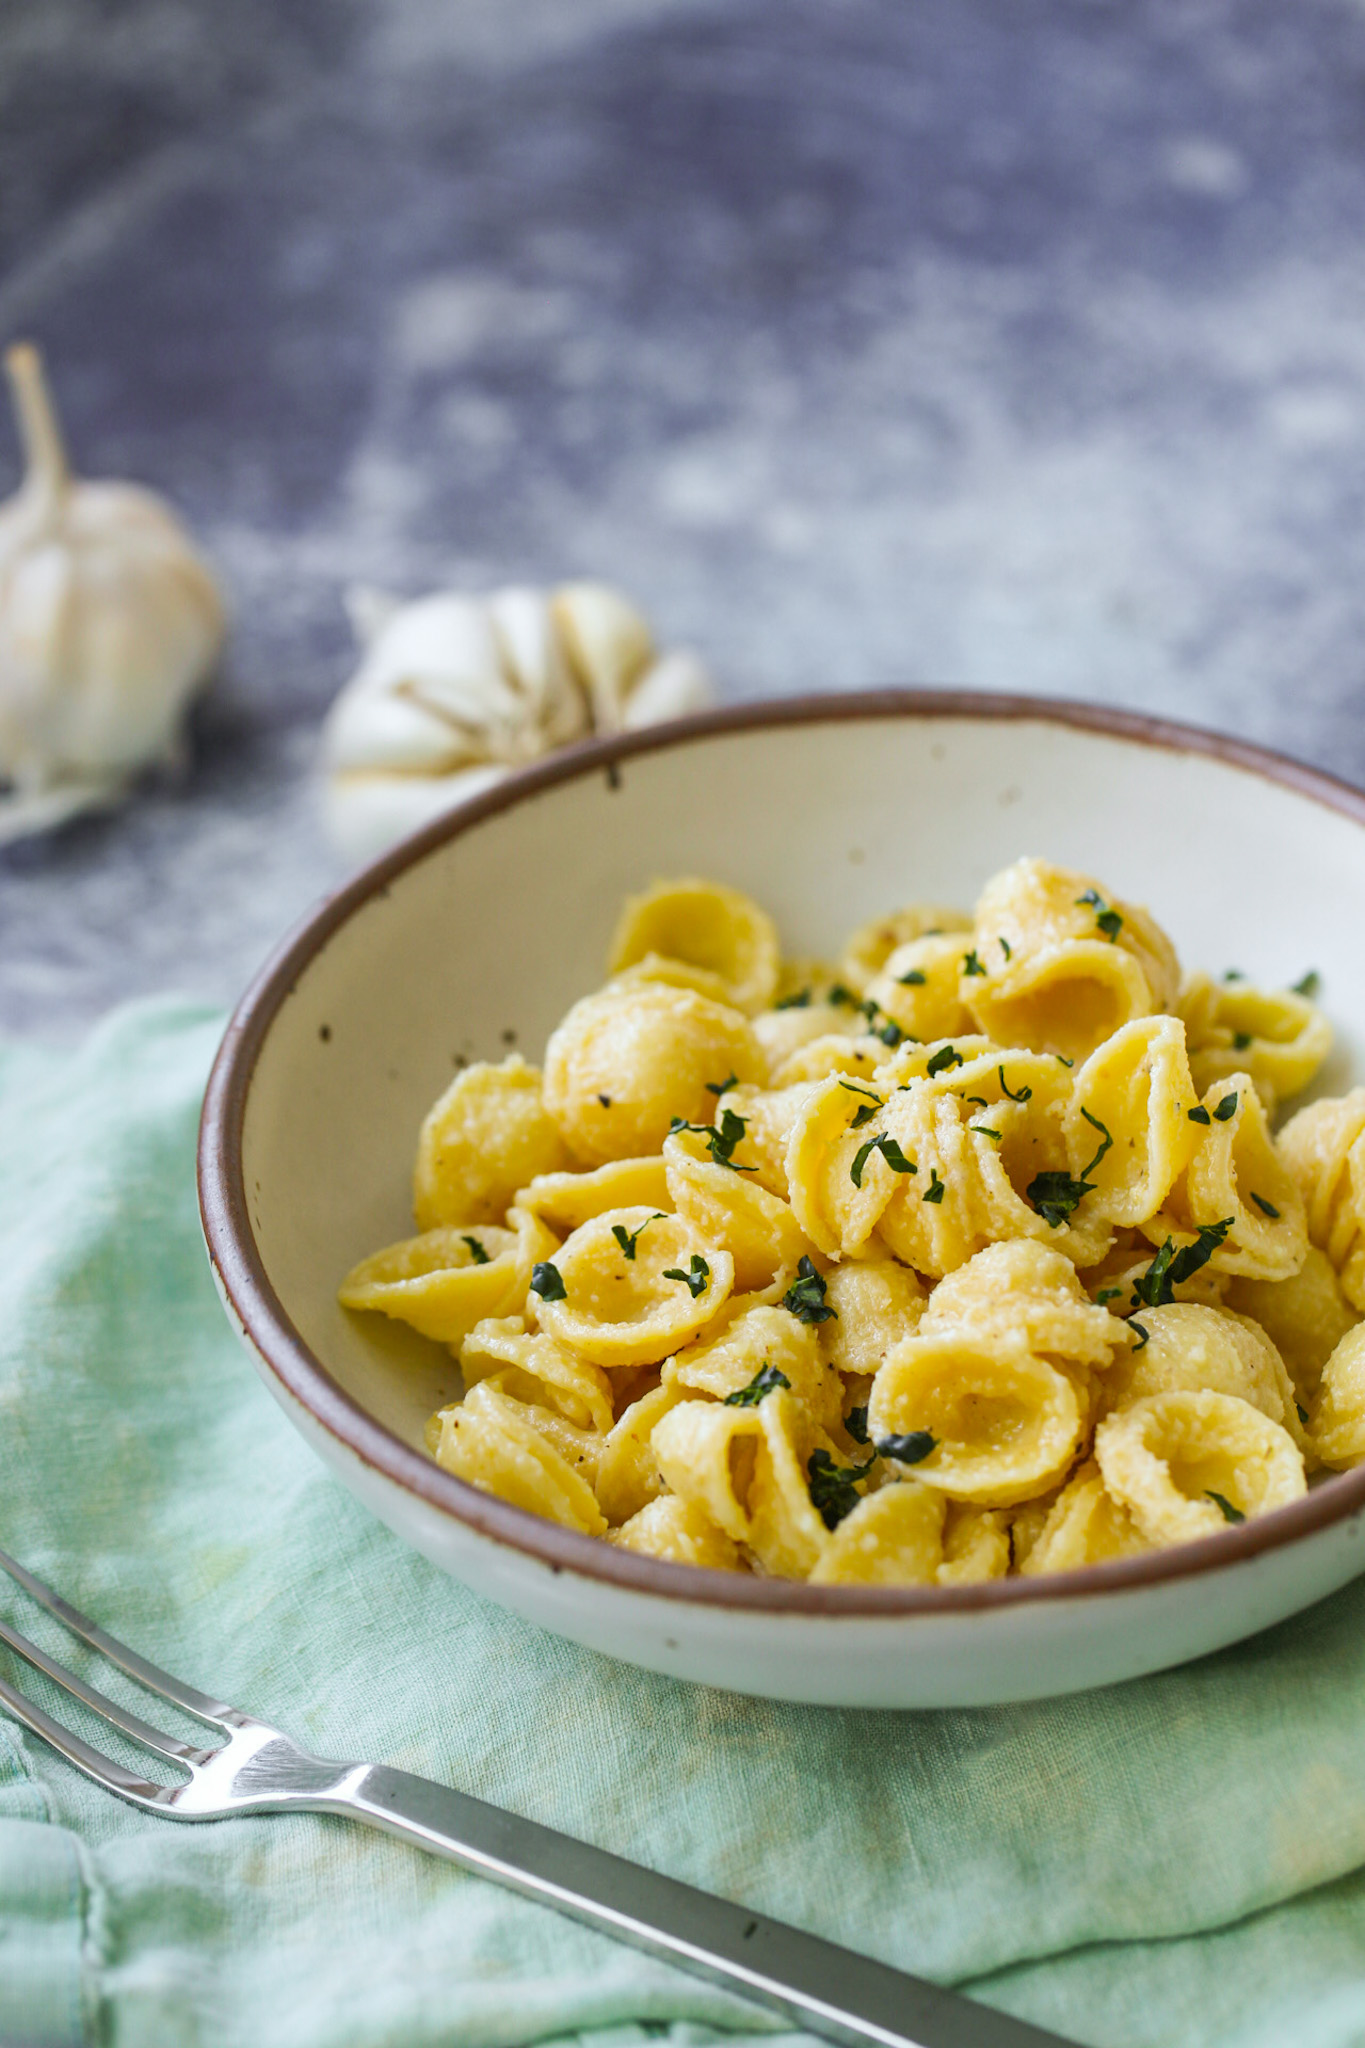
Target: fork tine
(132,1725)
(101,1768)
(217,1712)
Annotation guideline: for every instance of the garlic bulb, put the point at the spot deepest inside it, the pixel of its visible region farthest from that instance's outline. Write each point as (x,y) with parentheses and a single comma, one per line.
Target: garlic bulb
(452,692)
(108,623)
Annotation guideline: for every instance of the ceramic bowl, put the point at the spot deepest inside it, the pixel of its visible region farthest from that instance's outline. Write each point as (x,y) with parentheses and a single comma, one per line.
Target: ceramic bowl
(475,936)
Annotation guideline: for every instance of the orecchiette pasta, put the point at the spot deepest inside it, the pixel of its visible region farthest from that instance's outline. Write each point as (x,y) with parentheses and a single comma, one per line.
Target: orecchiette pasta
(489,1134)
(1278,1037)
(1305,1317)
(625,1062)
(1186,1463)
(1338,1419)
(1190,1347)
(976,1254)
(1323,1150)
(705,926)
(871,945)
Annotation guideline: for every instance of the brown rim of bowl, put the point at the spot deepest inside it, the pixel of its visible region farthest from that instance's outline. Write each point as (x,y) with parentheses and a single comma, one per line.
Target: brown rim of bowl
(301,1374)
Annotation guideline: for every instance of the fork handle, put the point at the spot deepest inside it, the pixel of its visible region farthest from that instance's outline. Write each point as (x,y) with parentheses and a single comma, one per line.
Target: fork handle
(836,1994)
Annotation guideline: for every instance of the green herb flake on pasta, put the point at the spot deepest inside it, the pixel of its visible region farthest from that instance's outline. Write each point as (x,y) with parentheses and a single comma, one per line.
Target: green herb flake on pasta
(805,1298)
(695,1279)
(834,1488)
(910,1449)
(1225,1507)
(547,1282)
(1109,921)
(765,1381)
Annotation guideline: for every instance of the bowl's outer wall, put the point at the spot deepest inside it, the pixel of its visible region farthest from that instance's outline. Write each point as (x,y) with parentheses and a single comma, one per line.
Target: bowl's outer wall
(986,1657)
(481,945)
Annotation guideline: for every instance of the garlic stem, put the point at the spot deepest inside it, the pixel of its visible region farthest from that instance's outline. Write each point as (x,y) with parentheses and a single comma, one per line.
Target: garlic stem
(47,472)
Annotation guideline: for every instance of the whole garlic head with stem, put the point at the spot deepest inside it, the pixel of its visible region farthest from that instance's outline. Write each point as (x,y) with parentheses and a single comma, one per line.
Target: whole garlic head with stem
(109,622)
(453,692)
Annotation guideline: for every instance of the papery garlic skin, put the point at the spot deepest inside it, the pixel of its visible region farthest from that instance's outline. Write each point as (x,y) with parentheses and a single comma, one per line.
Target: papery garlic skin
(109,622)
(453,692)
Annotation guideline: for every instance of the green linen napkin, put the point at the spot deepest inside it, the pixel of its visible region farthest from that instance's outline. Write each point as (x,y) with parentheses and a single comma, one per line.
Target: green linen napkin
(1172,1862)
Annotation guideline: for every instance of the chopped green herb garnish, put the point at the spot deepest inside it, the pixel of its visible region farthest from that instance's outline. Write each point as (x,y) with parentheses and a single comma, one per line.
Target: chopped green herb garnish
(1233,974)
(1024,1093)
(547,1282)
(1063,1058)
(1309,985)
(945,1058)
(936,1189)
(1199,1115)
(1142,1331)
(914,979)
(628,1239)
(1225,1507)
(1109,921)
(1055,1196)
(890,1151)
(887,1029)
(476,1250)
(860,1088)
(727,1135)
(695,1279)
(864,1115)
(833,1488)
(766,1380)
(719,1088)
(855,1422)
(1007,949)
(800,1001)
(1302,1413)
(1156,1287)
(983,1130)
(721,1139)
(1266,1208)
(1226,1108)
(841,997)
(908,1450)
(1107,1294)
(860,1159)
(805,1298)
(1240,1040)
(971,965)
(1107,1141)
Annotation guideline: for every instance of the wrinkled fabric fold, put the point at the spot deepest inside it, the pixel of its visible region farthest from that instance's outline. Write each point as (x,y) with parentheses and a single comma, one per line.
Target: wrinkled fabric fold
(1177,1861)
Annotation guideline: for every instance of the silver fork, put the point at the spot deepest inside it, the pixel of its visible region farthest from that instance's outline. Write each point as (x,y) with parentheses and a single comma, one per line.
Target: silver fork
(255,1768)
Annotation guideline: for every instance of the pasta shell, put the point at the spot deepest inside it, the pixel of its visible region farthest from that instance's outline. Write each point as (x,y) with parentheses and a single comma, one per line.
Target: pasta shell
(704,925)
(626,1308)
(1169,1458)
(488,1441)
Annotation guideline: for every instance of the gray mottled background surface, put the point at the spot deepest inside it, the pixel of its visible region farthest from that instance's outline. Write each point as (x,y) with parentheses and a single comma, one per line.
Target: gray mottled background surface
(1016,344)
